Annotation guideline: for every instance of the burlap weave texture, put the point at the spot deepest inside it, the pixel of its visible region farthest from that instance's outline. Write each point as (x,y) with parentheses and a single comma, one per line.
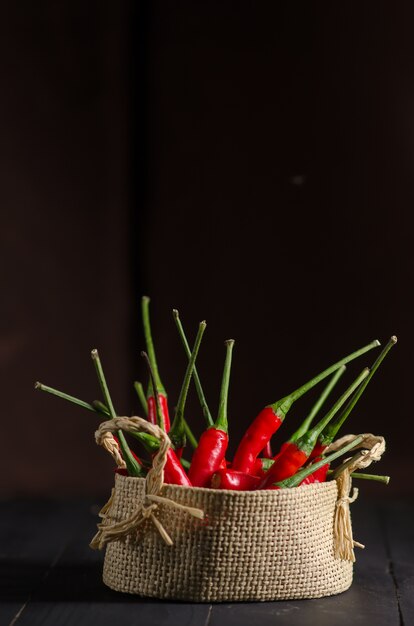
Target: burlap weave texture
(259,545)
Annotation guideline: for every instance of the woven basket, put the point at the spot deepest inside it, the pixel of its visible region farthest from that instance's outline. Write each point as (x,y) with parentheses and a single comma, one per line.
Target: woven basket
(250,545)
(264,545)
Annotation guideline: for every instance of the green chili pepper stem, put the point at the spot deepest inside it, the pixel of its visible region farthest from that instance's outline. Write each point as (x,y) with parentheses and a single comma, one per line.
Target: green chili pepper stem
(329,433)
(101,408)
(297,478)
(141,395)
(376,477)
(221,422)
(95,407)
(132,466)
(158,409)
(267,463)
(150,345)
(190,436)
(200,393)
(64,396)
(150,443)
(318,405)
(281,407)
(102,382)
(308,440)
(177,432)
(186,464)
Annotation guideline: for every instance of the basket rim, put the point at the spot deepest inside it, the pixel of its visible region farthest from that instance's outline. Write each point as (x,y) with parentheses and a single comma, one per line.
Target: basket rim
(260,493)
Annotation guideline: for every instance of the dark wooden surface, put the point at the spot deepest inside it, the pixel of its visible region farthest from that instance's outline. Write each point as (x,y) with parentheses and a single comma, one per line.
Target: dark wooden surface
(50,576)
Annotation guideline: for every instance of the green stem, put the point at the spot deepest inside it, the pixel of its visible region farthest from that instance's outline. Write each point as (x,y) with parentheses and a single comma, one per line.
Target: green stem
(200,393)
(281,407)
(150,346)
(308,440)
(297,478)
(376,477)
(304,427)
(141,395)
(330,432)
(186,464)
(352,461)
(101,408)
(132,466)
(158,409)
(150,443)
(190,436)
(177,432)
(95,407)
(64,396)
(221,422)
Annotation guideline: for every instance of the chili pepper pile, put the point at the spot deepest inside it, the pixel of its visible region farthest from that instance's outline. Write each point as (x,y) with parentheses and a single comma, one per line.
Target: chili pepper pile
(300,460)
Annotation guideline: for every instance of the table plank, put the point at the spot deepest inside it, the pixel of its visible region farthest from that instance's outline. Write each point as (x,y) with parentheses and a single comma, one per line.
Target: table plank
(73,593)
(399,535)
(32,535)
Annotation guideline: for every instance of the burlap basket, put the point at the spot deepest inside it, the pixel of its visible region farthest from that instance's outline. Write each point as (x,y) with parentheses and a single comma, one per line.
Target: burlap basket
(206,545)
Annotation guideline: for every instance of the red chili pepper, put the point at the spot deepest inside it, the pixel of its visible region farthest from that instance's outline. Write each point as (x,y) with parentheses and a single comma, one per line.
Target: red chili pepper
(267,451)
(157,385)
(296,453)
(304,427)
(236,481)
(174,473)
(212,446)
(296,480)
(152,410)
(271,417)
(177,432)
(329,433)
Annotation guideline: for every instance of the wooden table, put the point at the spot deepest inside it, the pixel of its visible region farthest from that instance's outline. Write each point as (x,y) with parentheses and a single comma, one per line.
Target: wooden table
(50,576)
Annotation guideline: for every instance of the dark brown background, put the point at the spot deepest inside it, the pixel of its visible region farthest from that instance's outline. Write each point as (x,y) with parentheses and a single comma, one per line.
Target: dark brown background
(246,162)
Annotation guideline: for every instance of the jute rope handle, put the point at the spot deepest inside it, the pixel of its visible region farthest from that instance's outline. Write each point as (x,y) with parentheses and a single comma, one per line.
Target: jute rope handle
(110,444)
(372,448)
(154,480)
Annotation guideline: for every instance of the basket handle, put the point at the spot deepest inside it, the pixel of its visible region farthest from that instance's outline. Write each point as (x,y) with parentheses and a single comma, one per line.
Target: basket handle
(153,484)
(372,448)
(155,476)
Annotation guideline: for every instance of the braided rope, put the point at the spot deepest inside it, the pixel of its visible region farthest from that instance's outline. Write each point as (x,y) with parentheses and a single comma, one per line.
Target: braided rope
(373,448)
(111,445)
(153,484)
